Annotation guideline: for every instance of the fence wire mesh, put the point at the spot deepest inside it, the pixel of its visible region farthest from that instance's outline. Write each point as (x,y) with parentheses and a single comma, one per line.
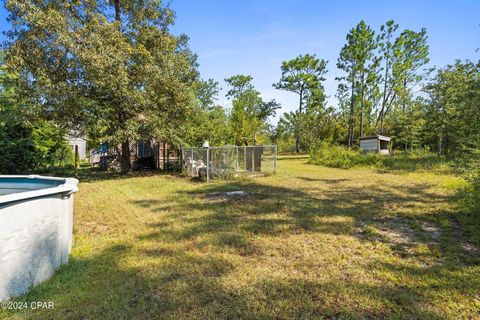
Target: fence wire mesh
(229,161)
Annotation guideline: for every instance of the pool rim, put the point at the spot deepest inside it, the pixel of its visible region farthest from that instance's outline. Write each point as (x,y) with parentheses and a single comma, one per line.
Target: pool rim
(67,188)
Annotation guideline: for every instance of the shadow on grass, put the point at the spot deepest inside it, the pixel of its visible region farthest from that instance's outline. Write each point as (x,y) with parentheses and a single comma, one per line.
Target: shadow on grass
(87,173)
(151,276)
(278,210)
(232,224)
(412,164)
(189,286)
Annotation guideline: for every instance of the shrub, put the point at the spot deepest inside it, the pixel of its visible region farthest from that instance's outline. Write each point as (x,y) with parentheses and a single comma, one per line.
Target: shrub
(341,157)
(28,147)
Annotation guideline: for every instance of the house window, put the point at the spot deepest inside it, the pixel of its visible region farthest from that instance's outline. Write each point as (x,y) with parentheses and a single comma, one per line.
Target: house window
(144,149)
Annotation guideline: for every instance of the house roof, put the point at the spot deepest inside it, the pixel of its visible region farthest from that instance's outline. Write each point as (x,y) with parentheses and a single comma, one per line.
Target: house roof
(377,137)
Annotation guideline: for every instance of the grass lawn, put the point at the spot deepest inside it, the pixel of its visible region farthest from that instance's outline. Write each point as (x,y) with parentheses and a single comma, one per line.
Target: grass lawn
(310,242)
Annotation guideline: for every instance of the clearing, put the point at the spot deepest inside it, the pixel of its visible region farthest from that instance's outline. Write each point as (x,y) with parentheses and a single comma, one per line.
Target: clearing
(306,243)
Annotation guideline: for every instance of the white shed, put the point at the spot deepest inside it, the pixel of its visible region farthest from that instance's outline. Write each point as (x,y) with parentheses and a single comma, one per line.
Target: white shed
(376,143)
(81,144)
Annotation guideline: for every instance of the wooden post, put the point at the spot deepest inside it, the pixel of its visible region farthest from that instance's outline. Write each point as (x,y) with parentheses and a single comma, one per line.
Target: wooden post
(168,156)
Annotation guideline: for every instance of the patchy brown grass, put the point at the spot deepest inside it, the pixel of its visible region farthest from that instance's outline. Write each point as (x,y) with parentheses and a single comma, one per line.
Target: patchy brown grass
(310,242)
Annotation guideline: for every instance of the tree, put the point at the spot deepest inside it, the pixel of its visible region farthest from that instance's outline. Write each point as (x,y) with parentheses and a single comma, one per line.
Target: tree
(26,142)
(206,93)
(347,63)
(452,112)
(388,54)
(315,126)
(357,59)
(119,77)
(208,121)
(409,125)
(412,54)
(303,76)
(365,64)
(249,112)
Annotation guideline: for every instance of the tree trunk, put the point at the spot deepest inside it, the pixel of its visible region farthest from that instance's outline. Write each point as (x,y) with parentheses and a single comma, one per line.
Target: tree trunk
(116,3)
(384,100)
(362,105)
(352,109)
(447,144)
(439,144)
(297,138)
(125,165)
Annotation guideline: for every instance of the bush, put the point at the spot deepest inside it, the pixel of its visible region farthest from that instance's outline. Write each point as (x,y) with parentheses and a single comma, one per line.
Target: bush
(25,147)
(341,157)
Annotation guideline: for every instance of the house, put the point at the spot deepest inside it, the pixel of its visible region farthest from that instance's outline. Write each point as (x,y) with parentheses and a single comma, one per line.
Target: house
(376,143)
(144,154)
(78,145)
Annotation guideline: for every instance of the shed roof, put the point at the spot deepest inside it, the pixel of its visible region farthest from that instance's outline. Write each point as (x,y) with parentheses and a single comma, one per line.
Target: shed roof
(376,137)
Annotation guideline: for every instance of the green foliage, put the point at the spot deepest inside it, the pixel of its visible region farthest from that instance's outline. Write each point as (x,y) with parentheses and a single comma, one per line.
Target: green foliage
(26,143)
(109,68)
(206,93)
(376,92)
(411,161)
(28,147)
(302,75)
(469,196)
(314,126)
(357,59)
(452,110)
(249,114)
(344,158)
(208,121)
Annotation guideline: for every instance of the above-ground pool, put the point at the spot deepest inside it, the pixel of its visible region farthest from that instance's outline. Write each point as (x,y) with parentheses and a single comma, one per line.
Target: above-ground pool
(36,219)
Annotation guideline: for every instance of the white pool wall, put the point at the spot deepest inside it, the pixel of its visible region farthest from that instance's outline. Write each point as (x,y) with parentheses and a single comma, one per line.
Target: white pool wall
(35,232)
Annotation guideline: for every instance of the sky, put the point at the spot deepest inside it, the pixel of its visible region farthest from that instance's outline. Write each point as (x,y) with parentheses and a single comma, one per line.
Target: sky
(254,36)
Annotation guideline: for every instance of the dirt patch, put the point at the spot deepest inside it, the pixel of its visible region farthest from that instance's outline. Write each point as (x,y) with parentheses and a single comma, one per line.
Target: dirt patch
(432,230)
(236,195)
(397,232)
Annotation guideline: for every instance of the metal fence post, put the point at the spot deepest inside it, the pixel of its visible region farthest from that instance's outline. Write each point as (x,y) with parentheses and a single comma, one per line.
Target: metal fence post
(191,164)
(208,164)
(236,162)
(245,157)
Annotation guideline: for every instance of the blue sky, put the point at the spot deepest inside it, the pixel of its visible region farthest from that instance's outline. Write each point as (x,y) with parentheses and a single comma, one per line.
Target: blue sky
(254,36)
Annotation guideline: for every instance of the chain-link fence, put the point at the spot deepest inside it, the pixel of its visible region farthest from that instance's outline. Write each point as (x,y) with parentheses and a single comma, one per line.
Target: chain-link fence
(229,161)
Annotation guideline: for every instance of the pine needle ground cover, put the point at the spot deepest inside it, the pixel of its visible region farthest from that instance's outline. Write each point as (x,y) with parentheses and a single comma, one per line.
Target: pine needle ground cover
(309,242)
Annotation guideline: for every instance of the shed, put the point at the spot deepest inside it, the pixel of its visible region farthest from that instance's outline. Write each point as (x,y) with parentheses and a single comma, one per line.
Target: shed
(80,144)
(376,143)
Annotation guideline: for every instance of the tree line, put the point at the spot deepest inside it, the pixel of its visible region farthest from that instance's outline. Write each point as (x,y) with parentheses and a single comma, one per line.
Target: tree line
(113,71)
(386,88)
